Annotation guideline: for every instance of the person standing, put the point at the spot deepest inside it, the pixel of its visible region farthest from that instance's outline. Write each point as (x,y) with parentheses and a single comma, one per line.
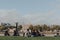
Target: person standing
(28,33)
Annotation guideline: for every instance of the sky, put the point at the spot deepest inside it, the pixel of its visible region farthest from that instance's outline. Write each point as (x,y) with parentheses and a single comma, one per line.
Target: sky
(30,11)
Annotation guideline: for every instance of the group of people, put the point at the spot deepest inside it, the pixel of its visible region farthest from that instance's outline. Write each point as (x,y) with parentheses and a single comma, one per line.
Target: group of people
(14,34)
(29,33)
(33,33)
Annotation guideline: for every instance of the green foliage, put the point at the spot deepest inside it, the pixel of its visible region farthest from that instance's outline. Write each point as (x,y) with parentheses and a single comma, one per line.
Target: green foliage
(57,27)
(31,27)
(20,27)
(38,27)
(45,27)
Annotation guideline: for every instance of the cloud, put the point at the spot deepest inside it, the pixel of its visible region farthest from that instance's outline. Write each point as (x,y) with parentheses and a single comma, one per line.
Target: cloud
(12,16)
(38,18)
(9,16)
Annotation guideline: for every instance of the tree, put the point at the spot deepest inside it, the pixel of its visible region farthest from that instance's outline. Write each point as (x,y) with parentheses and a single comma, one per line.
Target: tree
(35,27)
(20,27)
(56,27)
(39,28)
(45,27)
(48,28)
(1,27)
(31,27)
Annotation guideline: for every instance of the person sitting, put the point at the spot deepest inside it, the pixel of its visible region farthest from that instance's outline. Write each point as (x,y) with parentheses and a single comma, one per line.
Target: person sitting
(6,33)
(57,34)
(37,33)
(15,33)
(33,33)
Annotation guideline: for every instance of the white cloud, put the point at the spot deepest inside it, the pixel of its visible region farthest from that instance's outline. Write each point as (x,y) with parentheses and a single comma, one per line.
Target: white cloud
(12,16)
(37,18)
(9,16)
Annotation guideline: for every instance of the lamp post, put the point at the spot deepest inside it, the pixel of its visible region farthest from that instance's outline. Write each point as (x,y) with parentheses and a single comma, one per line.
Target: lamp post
(16,33)
(16,26)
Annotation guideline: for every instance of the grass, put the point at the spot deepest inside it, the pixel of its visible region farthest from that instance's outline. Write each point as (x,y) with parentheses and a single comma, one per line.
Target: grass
(30,38)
